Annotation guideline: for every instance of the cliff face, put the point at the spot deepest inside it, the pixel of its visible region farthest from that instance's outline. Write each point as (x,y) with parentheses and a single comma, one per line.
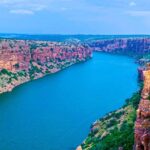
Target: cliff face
(21,61)
(132,47)
(18,55)
(142,125)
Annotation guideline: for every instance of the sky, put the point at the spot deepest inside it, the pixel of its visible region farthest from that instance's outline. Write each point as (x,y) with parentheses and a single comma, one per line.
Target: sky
(75,16)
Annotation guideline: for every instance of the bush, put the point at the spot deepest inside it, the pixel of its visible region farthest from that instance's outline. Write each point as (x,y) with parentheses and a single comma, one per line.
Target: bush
(4,71)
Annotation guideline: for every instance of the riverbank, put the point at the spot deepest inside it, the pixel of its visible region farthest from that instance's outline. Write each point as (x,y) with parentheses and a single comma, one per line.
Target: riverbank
(101,136)
(25,77)
(120,129)
(114,130)
(24,60)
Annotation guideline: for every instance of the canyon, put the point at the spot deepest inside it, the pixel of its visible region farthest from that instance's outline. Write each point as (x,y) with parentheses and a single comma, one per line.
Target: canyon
(25,60)
(100,132)
(138,48)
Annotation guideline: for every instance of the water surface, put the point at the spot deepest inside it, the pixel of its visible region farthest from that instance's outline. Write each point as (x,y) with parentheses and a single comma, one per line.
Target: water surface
(55,112)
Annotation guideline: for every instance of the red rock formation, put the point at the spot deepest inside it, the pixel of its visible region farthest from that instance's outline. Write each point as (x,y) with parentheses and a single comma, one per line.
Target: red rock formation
(23,60)
(16,55)
(130,46)
(142,125)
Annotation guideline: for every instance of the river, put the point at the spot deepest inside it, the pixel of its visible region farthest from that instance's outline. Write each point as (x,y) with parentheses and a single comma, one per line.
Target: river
(55,112)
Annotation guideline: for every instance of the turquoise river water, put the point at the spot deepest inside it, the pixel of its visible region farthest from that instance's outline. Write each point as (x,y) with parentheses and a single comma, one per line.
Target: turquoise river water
(55,112)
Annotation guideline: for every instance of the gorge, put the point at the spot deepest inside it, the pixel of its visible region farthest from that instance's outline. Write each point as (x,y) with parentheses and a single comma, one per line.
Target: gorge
(24,60)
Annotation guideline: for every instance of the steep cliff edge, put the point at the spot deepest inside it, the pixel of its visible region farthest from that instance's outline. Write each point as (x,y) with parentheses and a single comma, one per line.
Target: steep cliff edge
(23,60)
(142,125)
(131,46)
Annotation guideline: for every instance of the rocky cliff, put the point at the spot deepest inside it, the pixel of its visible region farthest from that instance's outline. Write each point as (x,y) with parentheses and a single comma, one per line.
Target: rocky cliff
(142,125)
(132,46)
(23,60)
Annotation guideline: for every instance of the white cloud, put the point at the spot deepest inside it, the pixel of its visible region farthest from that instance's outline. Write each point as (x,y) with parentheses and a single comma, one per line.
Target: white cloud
(22,11)
(23,6)
(38,7)
(10,1)
(139,13)
(132,4)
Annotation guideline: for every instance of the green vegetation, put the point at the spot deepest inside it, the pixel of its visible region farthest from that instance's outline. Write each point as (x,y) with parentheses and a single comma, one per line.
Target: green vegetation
(4,71)
(16,65)
(8,77)
(34,70)
(116,129)
(33,46)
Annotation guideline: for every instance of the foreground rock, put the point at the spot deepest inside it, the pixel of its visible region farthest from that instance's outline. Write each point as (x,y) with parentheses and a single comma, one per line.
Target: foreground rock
(142,125)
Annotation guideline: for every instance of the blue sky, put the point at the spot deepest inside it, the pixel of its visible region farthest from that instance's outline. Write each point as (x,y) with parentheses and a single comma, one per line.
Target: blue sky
(75,16)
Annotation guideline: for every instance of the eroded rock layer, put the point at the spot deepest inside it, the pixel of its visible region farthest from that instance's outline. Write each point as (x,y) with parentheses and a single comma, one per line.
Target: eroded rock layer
(23,60)
(142,125)
(131,46)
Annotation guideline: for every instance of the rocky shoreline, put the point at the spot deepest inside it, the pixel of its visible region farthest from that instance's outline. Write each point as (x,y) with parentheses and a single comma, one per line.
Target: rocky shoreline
(9,87)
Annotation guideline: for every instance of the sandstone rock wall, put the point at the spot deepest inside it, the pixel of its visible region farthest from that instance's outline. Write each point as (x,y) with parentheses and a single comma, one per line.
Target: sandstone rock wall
(23,60)
(125,46)
(142,125)
(16,55)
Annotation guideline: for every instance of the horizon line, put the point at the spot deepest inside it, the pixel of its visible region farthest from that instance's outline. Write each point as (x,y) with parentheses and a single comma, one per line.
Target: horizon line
(140,34)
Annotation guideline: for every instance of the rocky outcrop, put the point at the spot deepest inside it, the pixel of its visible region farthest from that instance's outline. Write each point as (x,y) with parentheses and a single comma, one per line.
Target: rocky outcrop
(132,46)
(23,60)
(142,125)
(18,55)
(142,70)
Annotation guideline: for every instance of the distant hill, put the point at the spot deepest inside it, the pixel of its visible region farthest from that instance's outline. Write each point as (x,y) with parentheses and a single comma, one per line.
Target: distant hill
(61,38)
